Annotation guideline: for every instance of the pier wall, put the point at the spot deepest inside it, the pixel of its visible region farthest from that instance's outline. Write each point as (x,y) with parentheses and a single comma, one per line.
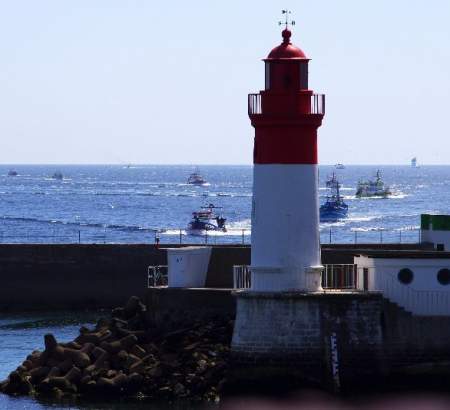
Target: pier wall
(40,277)
(79,276)
(316,338)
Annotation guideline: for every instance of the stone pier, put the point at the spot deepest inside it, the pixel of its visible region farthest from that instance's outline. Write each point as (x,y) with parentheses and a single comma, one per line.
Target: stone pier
(331,339)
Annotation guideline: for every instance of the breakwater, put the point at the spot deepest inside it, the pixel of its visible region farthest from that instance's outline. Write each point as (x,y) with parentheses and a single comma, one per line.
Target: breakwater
(44,277)
(125,355)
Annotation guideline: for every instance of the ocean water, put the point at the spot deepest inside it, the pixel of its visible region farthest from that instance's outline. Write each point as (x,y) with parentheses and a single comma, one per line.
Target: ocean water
(121,204)
(132,204)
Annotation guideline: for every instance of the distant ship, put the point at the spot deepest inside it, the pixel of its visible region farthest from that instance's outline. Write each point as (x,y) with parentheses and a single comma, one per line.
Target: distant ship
(57,175)
(334,208)
(339,166)
(373,188)
(12,173)
(414,163)
(206,220)
(196,179)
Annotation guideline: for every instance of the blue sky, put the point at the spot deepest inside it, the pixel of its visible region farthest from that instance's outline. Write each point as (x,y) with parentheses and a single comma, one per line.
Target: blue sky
(108,81)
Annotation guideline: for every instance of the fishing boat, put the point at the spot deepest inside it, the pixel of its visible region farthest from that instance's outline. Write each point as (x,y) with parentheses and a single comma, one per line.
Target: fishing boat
(332,182)
(334,207)
(414,163)
(12,173)
(196,179)
(372,188)
(339,166)
(206,220)
(57,175)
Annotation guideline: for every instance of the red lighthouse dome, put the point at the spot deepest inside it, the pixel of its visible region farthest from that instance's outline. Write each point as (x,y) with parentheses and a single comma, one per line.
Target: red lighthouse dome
(286,50)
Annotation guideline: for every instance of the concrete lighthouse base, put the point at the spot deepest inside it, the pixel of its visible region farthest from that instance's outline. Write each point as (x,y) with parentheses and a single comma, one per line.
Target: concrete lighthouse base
(325,339)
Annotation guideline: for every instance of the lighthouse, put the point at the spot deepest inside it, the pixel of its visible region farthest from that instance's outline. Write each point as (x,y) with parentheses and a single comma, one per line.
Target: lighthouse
(287,330)
(285,217)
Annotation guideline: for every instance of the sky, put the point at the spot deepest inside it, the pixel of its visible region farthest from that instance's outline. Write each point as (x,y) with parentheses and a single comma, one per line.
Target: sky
(151,82)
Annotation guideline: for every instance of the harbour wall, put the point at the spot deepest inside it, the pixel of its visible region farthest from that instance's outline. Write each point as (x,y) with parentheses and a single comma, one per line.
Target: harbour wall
(80,276)
(341,341)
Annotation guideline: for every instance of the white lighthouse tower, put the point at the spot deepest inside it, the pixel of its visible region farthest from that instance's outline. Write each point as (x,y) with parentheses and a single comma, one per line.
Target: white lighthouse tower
(285,216)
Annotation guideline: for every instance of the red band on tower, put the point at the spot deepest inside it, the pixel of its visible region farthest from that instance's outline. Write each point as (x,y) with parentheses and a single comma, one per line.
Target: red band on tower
(286,147)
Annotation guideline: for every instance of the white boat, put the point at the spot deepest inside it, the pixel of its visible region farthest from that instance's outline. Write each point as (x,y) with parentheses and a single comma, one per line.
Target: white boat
(196,179)
(206,220)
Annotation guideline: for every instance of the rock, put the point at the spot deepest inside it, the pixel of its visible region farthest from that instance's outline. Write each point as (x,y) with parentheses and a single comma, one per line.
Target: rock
(28,364)
(17,384)
(138,351)
(78,357)
(50,342)
(137,367)
(65,366)
(100,362)
(38,374)
(85,380)
(134,383)
(178,389)
(155,372)
(72,345)
(124,356)
(92,337)
(132,359)
(122,344)
(192,346)
(65,383)
(112,384)
(118,313)
(132,307)
(98,352)
(102,323)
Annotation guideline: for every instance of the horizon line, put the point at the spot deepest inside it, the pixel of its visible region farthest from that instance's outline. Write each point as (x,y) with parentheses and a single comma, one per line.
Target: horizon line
(125,164)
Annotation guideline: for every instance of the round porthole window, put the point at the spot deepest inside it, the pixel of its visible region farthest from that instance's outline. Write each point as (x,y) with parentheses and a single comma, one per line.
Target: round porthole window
(443,276)
(405,276)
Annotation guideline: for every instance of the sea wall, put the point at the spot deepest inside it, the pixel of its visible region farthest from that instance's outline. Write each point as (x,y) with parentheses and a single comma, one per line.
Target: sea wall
(40,277)
(321,339)
(76,276)
(414,340)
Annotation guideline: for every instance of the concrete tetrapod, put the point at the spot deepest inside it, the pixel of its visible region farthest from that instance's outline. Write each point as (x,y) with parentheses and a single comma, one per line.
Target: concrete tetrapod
(125,356)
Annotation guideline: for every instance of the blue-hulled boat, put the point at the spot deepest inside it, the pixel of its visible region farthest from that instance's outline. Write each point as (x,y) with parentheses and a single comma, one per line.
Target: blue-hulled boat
(334,208)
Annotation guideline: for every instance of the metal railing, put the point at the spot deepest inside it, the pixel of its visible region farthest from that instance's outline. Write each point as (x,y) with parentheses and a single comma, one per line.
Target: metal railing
(336,277)
(254,104)
(242,277)
(328,234)
(340,276)
(317,104)
(374,235)
(157,276)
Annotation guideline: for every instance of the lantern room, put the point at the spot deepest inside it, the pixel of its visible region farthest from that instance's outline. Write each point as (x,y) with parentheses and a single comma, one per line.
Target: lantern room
(286,67)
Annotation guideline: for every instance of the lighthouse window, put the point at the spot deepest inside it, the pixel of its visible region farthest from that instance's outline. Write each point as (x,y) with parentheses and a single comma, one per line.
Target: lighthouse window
(304,76)
(267,75)
(443,276)
(405,276)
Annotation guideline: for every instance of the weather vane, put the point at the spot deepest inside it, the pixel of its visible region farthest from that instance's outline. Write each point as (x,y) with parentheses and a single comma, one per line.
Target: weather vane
(286,22)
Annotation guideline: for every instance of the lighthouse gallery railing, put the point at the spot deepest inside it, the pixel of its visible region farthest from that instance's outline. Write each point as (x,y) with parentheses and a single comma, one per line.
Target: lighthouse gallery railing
(317,104)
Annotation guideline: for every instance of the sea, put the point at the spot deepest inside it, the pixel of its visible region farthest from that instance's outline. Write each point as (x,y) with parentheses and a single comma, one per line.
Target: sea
(139,203)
